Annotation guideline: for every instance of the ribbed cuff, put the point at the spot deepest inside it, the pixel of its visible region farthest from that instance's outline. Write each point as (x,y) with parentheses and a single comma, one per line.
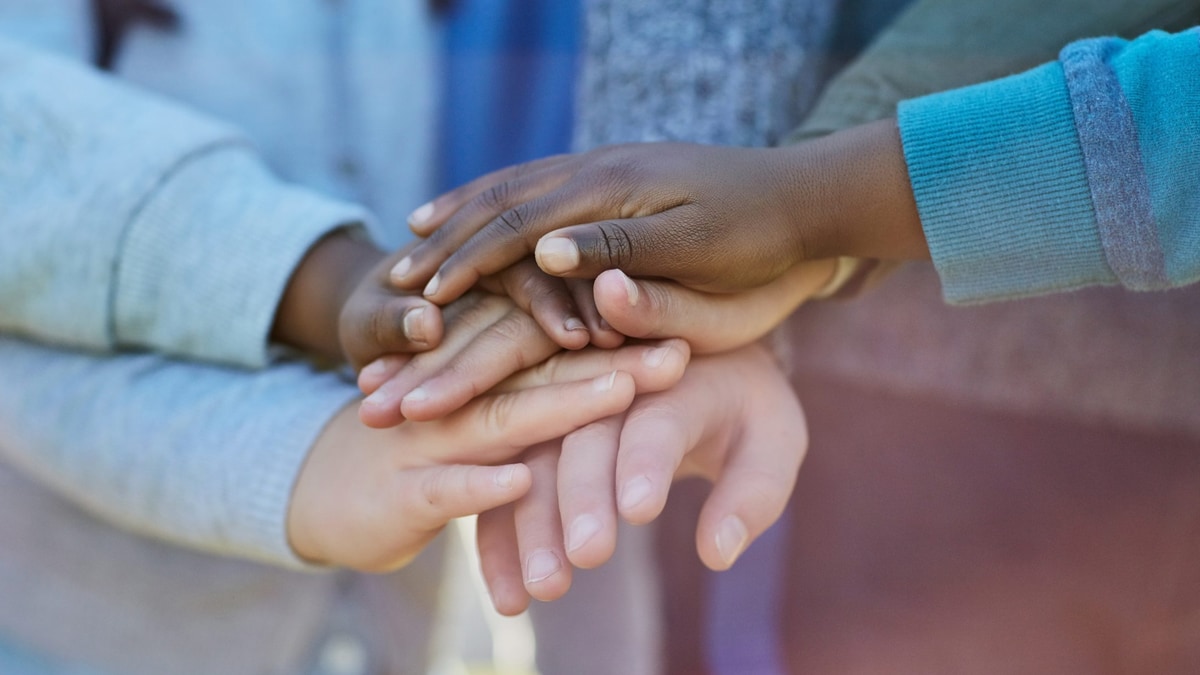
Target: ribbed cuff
(1002,190)
(207,258)
(295,408)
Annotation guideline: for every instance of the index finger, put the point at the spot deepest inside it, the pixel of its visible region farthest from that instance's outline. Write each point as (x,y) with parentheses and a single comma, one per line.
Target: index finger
(430,216)
(469,210)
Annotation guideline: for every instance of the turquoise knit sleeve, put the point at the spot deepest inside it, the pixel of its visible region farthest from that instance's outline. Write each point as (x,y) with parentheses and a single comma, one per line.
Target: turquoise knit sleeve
(1079,172)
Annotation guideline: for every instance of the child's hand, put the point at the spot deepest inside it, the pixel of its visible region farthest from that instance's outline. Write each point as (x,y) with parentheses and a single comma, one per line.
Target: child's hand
(339,305)
(713,218)
(732,419)
(376,319)
(372,499)
(336,307)
(488,339)
(710,322)
(563,308)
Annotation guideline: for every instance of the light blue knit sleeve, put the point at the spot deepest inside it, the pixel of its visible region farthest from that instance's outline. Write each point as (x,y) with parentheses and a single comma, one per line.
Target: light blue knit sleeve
(130,222)
(1079,172)
(201,456)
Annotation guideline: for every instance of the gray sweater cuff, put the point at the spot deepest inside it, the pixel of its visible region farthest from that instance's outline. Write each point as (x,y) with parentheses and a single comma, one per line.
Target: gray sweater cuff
(207,257)
(260,487)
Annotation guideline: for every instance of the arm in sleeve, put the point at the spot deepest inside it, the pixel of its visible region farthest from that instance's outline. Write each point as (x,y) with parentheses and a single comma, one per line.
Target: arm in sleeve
(201,456)
(1082,171)
(935,45)
(130,222)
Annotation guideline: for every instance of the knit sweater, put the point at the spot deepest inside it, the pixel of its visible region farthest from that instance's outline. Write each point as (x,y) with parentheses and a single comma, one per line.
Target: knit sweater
(1089,172)
(1097,356)
(134,222)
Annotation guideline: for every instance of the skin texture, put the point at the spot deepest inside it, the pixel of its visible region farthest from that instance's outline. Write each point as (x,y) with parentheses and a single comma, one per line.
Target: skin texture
(715,219)
(339,305)
(732,420)
(371,499)
(711,323)
(490,338)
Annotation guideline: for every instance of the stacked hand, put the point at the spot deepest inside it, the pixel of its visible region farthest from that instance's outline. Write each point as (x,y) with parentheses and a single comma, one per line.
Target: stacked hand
(712,245)
(712,218)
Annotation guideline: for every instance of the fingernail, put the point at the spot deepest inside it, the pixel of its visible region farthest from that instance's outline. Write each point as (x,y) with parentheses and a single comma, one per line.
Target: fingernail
(655,357)
(574,323)
(422,214)
(557,255)
(432,286)
(417,395)
(581,531)
(634,492)
(504,478)
(631,290)
(374,369)
(414,325)
(540,566)
(605,382)
(401,269)
(731,539)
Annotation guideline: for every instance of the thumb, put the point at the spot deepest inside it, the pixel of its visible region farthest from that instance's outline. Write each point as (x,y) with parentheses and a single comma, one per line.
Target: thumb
(654,245)
(709,322)
(389,325)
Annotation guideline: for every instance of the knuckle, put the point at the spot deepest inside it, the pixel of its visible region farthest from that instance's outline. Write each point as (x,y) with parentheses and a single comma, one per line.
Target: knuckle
(618,168)
(433,490)
(666,309)
(548,371)
(588,436)
(616,179)
(386,325)
(534,286)
(615,246)
(495,198)
(658,413)
(498,413)
(511,222)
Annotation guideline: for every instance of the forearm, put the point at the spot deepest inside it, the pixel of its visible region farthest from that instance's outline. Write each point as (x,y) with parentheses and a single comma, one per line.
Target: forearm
(936,45)
(199,456)
(1091,176)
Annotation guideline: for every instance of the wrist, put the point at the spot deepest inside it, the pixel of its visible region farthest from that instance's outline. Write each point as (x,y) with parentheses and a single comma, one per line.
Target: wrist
(307,316)
(849,195)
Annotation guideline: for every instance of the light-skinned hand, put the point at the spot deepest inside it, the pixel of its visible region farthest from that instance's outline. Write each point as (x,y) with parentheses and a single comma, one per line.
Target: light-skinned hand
(488,338)
(732,419)
(370,499)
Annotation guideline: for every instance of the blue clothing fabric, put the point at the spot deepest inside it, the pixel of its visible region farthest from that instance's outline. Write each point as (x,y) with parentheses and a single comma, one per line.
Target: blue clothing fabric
(1079,172)
(134,221)
(509,84)
(162,207)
